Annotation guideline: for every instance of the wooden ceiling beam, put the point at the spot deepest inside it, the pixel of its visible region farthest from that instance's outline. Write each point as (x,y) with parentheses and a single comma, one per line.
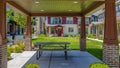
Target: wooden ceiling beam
(55,14)
(93,7)
(18,7)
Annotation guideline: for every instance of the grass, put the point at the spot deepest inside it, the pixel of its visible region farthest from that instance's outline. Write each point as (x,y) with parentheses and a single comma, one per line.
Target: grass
(74,41)
(93,47)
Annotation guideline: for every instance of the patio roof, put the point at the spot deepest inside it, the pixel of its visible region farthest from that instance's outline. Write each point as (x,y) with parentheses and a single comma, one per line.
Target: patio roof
(55,7)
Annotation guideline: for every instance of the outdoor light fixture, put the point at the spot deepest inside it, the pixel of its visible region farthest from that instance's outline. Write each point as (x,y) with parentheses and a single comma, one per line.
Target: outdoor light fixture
(69,10)
(75,2)
(36,2)
(42,10)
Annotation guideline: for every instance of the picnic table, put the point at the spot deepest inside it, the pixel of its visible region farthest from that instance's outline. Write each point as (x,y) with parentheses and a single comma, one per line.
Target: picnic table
(40,46)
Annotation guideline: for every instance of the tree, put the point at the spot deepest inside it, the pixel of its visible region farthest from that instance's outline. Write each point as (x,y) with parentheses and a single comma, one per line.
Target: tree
(10,14)
(20,19)
(17,17)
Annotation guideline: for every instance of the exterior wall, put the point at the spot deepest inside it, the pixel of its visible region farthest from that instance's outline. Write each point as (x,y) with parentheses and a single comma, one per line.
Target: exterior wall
(66,27)
(42,24)
(37,25)
(101,29)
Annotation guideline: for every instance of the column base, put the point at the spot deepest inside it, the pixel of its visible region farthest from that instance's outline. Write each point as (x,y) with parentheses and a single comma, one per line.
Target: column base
(3,56)
(83,44)
(28,44)
(111,55)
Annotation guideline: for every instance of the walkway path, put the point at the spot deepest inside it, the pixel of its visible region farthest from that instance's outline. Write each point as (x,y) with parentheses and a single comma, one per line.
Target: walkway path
(50,59)
(97,40)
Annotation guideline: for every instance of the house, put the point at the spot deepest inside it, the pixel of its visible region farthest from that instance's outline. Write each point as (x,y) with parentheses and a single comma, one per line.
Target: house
(98,18)
(61,26)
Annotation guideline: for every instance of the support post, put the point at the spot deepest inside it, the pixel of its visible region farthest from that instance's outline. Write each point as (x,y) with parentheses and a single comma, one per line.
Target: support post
(49,31)
(83,35)
(110,45)
(3,47)
(89,29)
(28,42)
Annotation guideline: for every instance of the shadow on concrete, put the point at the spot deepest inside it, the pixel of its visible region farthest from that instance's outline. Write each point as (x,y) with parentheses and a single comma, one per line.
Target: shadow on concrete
(56,59)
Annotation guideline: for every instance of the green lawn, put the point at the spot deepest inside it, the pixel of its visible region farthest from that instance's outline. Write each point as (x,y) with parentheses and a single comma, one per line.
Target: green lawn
(93,47)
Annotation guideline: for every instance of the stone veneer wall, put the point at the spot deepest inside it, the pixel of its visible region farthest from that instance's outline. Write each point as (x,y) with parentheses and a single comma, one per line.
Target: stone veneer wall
(3,56)
(110,53)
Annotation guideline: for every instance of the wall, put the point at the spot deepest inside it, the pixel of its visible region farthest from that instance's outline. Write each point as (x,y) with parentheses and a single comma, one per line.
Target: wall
(65,29)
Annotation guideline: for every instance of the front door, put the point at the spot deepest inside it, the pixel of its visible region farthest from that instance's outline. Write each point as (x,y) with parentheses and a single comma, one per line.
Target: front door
(59,32)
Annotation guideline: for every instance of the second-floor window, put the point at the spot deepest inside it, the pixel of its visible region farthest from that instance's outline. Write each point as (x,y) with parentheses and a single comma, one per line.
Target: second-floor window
(118,8)
(87,20)
(69,20)
(79,20)
(55,20)
(101,17)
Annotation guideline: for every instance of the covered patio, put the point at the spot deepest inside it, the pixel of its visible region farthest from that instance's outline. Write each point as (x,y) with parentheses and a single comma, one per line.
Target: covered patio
(80,8)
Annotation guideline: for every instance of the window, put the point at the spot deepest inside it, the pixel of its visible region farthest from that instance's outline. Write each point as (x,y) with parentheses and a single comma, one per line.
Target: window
(51,20)
(69,20)
(79,20)
(87,20)
(70,29)
(101,17)
(55,20)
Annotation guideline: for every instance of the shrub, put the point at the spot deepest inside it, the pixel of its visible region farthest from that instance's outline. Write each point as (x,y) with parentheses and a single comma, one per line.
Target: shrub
(78,35)
(91,36)
(8,54)
(9,48)
(18,49)
(69,35)
(32,66)
(100,38)
(42,35)
(22,46)
(119,40)
(99,65)
(17,42)
(13,48)
(65,35)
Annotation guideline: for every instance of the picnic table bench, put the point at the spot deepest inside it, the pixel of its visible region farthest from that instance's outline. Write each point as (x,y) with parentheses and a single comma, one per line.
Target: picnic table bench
(41,45)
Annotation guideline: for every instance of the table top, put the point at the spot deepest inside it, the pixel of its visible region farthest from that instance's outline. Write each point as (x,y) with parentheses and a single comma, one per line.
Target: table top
(52,43)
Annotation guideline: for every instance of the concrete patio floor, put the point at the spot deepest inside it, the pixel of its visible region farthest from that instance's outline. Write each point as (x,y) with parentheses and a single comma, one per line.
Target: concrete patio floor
(54,59)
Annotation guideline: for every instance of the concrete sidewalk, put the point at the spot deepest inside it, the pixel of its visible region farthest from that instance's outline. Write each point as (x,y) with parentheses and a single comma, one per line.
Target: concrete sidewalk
(97,40)
(54,59)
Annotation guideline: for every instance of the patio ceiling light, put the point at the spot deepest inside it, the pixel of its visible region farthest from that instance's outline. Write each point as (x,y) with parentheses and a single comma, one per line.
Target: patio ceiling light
(69,10)
(36,2)
(42,10)
(75,2)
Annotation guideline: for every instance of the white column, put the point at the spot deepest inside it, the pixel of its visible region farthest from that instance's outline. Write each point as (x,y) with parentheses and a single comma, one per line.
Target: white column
(49,31)
(89,29)
(38,25)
